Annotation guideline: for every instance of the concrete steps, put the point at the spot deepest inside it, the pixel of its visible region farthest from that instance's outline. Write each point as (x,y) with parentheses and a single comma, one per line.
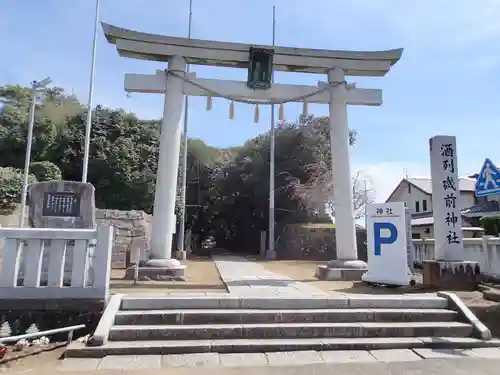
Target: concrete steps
(171,325)
(357,301)
(288,330)
(248,316)
(79,350)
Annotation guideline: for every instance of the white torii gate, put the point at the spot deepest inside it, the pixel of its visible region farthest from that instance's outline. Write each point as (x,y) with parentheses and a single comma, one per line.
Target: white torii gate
(336,92)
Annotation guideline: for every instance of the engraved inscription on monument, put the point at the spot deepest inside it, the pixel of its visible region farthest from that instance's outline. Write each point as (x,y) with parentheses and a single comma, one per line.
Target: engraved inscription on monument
(445,198)
(62,204)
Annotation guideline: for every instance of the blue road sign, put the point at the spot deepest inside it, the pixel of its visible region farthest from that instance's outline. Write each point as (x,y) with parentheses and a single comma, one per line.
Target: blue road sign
(488,181)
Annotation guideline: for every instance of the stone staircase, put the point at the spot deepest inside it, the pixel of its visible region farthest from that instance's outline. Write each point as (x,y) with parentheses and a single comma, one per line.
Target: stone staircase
(228,324)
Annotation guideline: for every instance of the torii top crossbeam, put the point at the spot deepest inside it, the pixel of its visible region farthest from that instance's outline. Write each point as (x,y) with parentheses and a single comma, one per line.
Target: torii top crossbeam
(153,47)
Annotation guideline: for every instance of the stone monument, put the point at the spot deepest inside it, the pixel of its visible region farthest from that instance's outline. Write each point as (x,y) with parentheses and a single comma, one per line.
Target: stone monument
(62,204)
(448,270)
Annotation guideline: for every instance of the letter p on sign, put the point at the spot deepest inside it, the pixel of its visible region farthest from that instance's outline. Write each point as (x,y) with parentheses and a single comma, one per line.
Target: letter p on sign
(379,239)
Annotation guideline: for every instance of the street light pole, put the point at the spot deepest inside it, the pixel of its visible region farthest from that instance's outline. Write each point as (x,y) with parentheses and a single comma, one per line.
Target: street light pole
(88,126)
(35,86)
(271,252)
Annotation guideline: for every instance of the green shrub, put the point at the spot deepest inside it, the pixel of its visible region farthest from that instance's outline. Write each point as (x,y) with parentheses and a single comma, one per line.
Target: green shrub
(491,225)
(11,187)
(45,171)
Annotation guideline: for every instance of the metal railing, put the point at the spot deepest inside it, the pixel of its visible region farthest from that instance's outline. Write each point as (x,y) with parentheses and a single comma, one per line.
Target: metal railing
(70,330)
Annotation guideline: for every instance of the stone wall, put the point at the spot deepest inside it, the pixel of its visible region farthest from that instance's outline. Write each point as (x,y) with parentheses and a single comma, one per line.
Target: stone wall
(132,231)
(313,242)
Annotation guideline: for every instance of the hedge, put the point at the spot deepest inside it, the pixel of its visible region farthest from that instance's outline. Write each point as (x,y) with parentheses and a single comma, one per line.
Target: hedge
(11,187)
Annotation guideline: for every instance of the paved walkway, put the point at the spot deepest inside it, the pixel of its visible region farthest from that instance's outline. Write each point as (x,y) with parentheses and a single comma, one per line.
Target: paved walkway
(386,362)
(244,278)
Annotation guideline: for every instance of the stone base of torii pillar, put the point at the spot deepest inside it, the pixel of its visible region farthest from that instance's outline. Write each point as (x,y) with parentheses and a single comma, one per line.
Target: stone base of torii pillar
(346,266)
(156,269)
(347,270)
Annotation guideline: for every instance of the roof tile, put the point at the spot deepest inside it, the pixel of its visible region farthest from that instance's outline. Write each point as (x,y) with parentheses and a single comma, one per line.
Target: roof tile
(425,184)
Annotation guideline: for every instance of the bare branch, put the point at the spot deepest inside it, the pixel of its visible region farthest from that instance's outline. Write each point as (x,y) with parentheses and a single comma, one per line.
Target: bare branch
(318,193)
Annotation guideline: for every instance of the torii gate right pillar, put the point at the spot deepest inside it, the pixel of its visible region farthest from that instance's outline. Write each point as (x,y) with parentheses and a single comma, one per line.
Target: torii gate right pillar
(346,266)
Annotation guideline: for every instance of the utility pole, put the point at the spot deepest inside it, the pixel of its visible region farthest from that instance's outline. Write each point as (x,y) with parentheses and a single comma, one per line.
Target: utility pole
(182,226)
(366,204)
(271,253)
(35,87)
(88,126)
(366,197)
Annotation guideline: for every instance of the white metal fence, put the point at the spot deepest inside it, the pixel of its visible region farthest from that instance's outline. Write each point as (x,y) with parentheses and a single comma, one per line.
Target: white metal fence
(54,263)
(484,250)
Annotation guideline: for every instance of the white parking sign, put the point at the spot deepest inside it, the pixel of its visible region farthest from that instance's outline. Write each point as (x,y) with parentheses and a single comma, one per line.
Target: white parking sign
(387,244)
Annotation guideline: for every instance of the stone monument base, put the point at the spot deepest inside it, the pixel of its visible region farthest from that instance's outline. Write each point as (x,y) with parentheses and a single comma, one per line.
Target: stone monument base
(156,269)
(451,275)
(345,270)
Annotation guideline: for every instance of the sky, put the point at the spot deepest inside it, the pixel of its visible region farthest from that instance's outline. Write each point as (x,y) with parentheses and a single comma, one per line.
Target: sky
(446,83)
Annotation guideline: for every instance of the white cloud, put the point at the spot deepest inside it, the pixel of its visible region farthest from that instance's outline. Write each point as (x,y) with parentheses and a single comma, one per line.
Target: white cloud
(486,62)
(442,21)
(427,24)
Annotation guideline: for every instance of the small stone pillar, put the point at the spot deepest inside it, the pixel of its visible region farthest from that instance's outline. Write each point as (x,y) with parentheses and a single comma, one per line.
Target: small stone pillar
(263,238)
(188,238)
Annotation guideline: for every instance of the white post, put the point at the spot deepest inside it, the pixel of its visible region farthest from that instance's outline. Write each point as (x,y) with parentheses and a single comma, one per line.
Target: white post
(104,249)
(345,229)
(88,126)
(168,164)
(27,157)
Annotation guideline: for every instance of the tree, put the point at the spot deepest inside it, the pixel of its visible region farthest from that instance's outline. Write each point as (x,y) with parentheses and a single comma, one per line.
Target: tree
(315,193)
(45,171)
(240,195)
(491,225)
(50,122)
(11,186)
(318,193)
(123,154)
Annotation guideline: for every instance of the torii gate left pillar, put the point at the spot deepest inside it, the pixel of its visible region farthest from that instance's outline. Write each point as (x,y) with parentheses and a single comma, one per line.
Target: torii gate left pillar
(168,167)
